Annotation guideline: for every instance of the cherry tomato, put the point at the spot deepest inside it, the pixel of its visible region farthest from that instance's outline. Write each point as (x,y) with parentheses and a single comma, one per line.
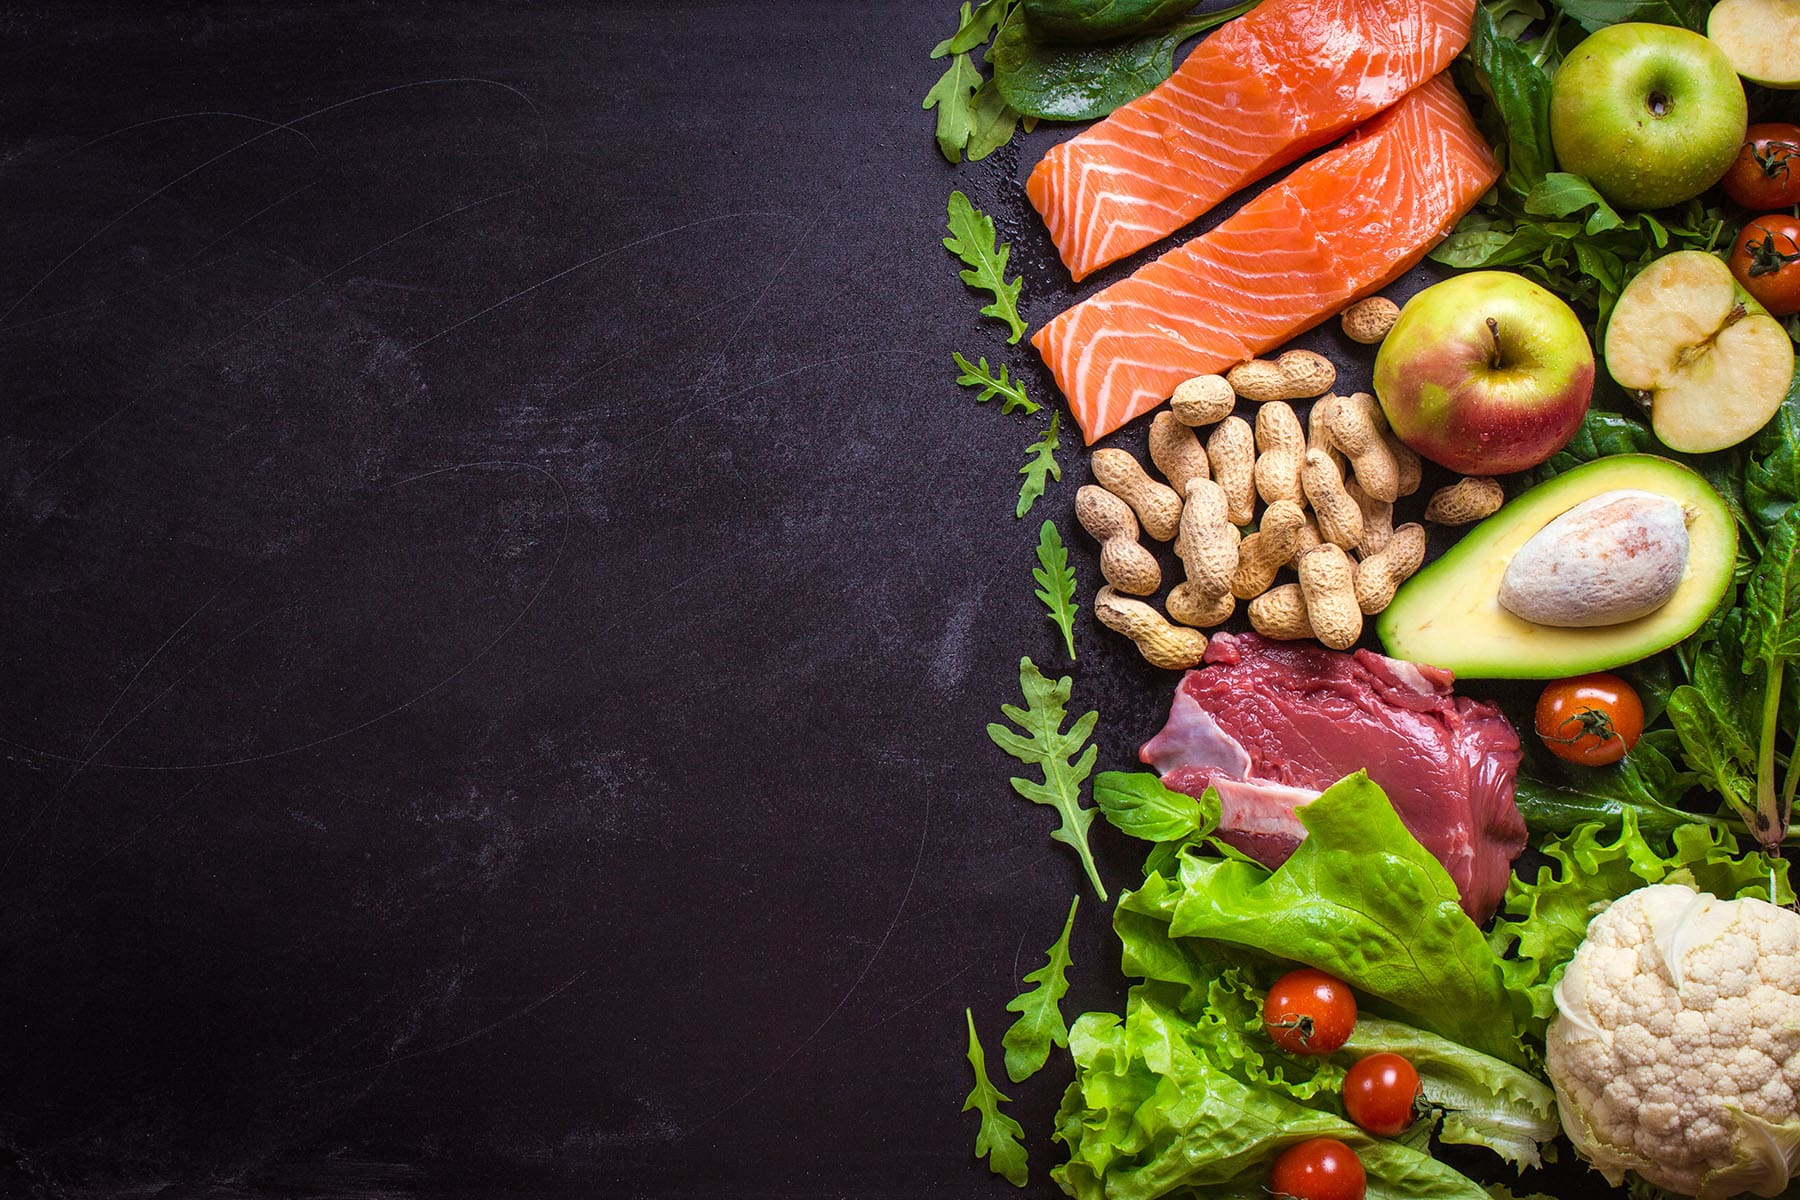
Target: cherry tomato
(1766,260)
(1319,1169)
(1590,719)
(1381,1094)
(1309,1012)
(1766,173)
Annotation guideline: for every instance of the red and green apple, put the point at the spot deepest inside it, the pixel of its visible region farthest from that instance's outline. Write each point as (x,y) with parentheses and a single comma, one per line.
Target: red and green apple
(1485,373)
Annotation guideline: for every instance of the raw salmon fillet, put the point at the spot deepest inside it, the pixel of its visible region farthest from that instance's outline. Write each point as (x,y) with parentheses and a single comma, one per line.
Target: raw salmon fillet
(1345,224)
(1285,78)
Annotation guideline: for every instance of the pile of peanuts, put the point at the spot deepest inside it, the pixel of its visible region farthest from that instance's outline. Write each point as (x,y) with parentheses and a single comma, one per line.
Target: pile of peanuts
(1328,488)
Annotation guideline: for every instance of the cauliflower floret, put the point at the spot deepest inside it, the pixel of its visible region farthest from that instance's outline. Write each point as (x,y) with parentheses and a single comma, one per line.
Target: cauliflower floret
(1674,1047)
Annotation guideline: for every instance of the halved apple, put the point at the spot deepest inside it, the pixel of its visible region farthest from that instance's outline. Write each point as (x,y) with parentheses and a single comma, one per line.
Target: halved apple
(1759,38)
(1699,353)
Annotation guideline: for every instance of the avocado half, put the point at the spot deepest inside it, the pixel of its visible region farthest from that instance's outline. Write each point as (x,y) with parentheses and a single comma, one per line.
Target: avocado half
(1449,614)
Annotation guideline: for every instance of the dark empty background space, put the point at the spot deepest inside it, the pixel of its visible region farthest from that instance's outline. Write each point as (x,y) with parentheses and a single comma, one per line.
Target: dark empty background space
(500,598)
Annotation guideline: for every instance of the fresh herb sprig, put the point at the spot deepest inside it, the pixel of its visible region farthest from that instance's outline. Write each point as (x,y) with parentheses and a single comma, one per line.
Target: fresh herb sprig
(1040,1024)
(1058,753)
(1056,582)
(997,1139)
(973,239)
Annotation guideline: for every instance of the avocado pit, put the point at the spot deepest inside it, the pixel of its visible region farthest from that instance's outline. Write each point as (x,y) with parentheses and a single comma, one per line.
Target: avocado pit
(1612,558)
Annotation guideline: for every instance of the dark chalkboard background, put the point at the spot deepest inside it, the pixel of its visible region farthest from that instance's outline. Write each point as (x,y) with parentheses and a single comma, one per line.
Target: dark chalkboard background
(500,598)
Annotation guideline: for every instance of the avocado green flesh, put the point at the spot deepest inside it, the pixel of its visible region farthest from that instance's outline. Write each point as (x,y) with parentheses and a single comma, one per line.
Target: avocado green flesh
(1449,614)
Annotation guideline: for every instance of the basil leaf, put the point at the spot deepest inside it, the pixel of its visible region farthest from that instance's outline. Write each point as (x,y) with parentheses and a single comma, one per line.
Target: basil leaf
(1138,805)
(1061,81)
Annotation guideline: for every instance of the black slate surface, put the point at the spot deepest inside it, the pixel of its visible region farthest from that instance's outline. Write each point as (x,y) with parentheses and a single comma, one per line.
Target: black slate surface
(501,598)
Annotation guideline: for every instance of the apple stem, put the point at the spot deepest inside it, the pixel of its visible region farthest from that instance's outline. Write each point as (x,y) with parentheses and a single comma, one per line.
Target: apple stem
(1494,332)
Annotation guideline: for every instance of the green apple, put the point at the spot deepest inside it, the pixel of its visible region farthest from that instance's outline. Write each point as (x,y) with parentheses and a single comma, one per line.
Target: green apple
(1761,38)
(1694,348)
(1651,114)
(1485,373)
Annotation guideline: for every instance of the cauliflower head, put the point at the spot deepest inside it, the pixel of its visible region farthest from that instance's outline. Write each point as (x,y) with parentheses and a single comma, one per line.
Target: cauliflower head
(1675,1051)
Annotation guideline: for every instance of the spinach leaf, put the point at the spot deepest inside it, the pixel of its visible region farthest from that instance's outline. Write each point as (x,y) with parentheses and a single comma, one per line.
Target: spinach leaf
(1712,746)
(1601,434)
(1772,472)
(1519,89)
(1040,1023)
(1046,745)
(1597,14)
(1056,582)
(1098,20)
(1062,81)
(1040,465)
(997,1138)
(1555,797)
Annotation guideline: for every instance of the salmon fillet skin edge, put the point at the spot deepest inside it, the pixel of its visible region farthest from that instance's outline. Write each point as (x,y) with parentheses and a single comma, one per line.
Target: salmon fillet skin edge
(1344,225)
(1285,78)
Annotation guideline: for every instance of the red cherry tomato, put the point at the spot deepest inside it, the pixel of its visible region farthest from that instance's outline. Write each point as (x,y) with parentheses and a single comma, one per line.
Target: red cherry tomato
(1309,1012)
(1766,260)
(1766,173)
(1381,1094)
(1319,1169)
(1590,719)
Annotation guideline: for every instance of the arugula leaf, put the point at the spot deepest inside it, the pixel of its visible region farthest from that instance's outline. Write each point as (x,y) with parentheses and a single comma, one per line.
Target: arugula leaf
(1070,81)
(1048,747)
(1056,582)
(994,121)
(997,1139)
(979,375)
(1544,920)
(1138,805)
(1362,899)
(975,28)
(1040,1020)
(953,97)
(972,239)
(1040,463)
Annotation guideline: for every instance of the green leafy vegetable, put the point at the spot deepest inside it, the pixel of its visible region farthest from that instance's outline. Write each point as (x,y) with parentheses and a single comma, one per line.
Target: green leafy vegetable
(1041,464)
(1550,225)
(1056,582)
(1098,20)
(1152,1113)
(997,1139)
(1046,746)
(1597,14)
(1772,472)
(975,27)
(1040,1022)
(953,96)
(1555,797)
(979,375)
(1359,898)
(972,239)
(1138,805)
(1070,81)
(1544,920)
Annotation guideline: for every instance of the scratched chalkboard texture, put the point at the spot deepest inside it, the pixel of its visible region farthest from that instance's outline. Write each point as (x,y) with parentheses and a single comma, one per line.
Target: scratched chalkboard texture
(500,600)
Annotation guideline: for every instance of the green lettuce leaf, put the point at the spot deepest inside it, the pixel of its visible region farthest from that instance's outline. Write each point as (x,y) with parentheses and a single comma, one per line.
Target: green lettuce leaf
(1362,899)
(1040,1022)
(1542,921)
(1150,1115)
